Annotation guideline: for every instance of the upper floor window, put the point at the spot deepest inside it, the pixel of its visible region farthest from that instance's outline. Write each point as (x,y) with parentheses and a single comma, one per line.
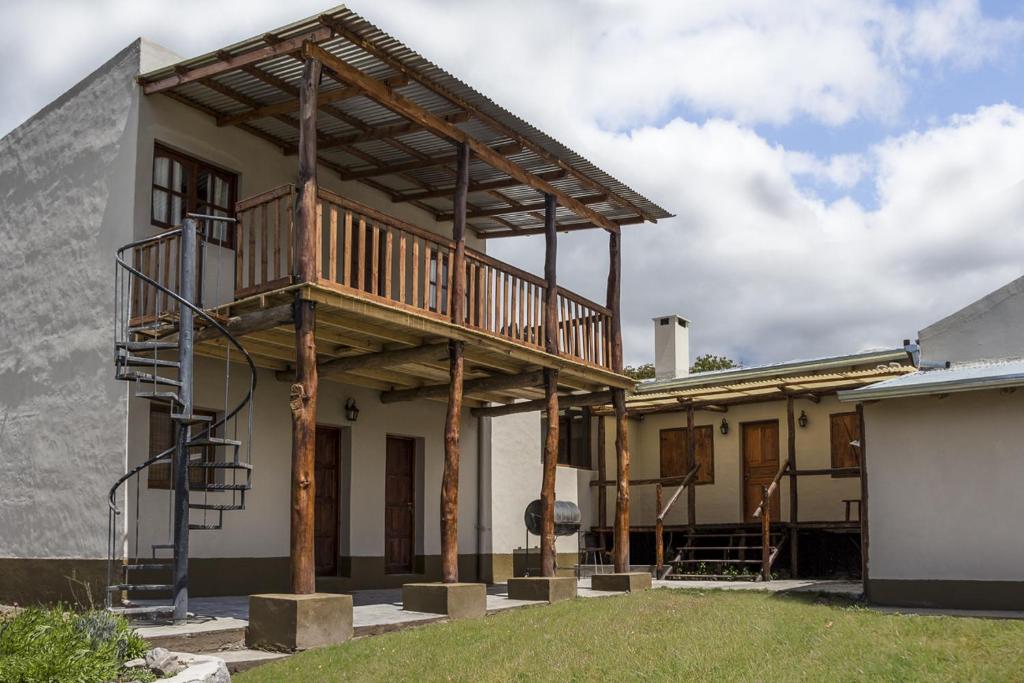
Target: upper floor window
(573,437)
(182,185)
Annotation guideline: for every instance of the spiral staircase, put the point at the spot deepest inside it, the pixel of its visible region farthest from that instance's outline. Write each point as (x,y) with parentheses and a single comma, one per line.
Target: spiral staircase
(157,321)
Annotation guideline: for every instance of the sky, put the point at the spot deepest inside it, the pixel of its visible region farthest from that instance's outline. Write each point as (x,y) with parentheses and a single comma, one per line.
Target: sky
(841,173)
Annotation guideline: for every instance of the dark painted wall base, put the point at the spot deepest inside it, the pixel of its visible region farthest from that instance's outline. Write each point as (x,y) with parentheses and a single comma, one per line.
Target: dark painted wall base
(31,581)
(948,594)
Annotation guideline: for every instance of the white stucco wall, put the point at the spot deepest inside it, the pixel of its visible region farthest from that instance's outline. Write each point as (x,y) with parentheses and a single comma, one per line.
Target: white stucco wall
(262,529)
(516,471)
(992,327)
(944,487)
(821,497)
(66,202)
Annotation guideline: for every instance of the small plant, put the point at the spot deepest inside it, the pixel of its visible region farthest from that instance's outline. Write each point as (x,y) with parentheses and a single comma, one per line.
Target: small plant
(55,644)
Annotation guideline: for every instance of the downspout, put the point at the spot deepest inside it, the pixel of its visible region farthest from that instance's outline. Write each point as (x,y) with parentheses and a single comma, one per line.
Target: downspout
(483,470)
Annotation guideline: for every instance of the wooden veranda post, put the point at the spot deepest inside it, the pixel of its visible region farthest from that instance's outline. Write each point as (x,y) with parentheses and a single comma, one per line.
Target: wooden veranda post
(621,539)
(456,351)
(659,530)
(304,390)
(548,558)
(766,535)
(794,567)
(602,495)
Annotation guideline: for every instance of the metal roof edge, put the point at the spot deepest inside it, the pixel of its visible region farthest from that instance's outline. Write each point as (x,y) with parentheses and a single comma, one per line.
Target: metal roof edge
(879,391)
(786,368)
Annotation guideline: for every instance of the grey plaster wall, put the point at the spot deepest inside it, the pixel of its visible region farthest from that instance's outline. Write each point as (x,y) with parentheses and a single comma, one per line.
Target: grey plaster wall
(991,327)
(66,201)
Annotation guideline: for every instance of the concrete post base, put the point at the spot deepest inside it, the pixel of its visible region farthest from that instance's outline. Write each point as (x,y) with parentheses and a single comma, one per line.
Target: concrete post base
(626,581)
(549,588)
(285,622)
(457,600)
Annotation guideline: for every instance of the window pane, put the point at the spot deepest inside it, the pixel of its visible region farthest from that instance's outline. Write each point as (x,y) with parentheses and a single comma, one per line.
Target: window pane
(203,186)
(221,194)
(176,210)
(180,178)
(159,206)
(161,171)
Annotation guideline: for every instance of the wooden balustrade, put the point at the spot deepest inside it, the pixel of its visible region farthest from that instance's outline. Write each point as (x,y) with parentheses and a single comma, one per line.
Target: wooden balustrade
(380,257)
(663,510)
(157,260)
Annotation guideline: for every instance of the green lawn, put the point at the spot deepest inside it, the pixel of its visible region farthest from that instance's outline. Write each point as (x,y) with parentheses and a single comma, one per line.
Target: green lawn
(675,634)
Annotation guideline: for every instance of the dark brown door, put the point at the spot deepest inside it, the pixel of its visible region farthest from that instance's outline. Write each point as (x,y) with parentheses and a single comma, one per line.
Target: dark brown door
(399,505)
(325,524)
(760,464)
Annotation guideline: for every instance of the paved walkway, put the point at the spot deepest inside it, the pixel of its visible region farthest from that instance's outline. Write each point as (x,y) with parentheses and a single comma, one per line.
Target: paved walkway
(380,611)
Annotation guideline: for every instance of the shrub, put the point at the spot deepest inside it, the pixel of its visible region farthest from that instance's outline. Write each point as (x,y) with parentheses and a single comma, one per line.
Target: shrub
(53,644)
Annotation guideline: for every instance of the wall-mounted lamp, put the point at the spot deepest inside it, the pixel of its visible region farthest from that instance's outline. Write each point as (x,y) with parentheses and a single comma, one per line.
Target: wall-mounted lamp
(724,427)
(351,410)
(802,419)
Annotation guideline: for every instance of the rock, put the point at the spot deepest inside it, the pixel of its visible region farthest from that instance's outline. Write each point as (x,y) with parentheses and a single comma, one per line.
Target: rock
(135,663)
(163,663)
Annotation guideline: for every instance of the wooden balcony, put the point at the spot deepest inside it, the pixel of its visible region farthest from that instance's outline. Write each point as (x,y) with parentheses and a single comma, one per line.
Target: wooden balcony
(385,285)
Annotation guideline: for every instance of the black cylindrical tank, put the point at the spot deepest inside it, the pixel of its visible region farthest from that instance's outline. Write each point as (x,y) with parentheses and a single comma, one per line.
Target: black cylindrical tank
(567,518)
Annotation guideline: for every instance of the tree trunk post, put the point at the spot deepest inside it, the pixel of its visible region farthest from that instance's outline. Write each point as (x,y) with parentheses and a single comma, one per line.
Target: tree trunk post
(303,395)
(659,531)
(602,475)
(548,555)
(621,553)
(456,349)
(794,557)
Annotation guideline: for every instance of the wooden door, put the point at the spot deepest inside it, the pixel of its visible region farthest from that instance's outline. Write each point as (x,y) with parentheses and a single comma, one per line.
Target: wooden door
(326,509)
(760,465)
(399,505)
(674,460)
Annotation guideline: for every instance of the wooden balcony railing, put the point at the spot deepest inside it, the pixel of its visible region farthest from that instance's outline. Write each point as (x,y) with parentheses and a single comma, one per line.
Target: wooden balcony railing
(366,252)
(159,260)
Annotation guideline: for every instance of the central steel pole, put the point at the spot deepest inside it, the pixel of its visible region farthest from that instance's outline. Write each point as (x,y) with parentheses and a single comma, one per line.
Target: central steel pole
(187,291)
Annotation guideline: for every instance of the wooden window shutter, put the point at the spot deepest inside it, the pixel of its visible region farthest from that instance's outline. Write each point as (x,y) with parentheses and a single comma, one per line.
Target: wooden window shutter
(844,428)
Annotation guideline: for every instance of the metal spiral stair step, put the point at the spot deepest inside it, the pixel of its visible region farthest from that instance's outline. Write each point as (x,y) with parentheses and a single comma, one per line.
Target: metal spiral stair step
(213,441)
(147,587)
(142,361)
(148,567)
(192,419)
(242,466)
(159,396)
(221,487)
(139,346)
(205,527)
(216,506)
(147,378)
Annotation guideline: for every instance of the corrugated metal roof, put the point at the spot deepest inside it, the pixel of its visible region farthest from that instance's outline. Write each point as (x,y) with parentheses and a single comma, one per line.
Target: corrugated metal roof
(973,376)
(239,90)
(771,370)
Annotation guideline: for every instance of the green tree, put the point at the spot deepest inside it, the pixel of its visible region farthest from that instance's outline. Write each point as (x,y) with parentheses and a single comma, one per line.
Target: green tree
(708,362)
(645,371)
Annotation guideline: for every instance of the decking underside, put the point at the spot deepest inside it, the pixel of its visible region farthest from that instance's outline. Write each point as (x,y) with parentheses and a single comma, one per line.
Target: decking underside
(349,327)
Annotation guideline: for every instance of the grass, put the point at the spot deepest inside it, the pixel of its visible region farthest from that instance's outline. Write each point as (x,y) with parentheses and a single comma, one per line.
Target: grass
(54,644)
(677,634)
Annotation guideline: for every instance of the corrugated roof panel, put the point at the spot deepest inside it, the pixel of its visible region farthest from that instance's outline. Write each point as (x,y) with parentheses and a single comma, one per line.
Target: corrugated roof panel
(366,112)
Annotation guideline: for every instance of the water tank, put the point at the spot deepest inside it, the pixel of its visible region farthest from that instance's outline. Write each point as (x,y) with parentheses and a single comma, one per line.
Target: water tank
(567,518)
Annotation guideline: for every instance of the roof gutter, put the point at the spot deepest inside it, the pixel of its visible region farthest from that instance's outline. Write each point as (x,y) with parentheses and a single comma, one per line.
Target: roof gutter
(879,391)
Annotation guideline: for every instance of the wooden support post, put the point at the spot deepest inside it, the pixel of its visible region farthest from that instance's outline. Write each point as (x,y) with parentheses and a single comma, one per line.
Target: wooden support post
(453,418)
(548,557)
(691,489)
(766,535)
(659,531)
(864,557)
(304,390)
(602,467)
(621,554)
(794,566)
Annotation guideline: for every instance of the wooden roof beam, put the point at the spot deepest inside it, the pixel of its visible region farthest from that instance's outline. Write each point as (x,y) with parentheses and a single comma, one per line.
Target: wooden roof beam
(288,106)
(565,401)
(561,227)
(385,132)
(520,208)
(388,169)
(343,30)
(446,192)
(224,64)
(380,93)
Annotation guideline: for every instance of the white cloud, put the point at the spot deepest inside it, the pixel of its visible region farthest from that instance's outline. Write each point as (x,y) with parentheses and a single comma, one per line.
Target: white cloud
(766,268)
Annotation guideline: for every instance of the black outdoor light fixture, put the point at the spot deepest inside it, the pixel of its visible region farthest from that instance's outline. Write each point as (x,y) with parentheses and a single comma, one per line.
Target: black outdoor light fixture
(724,427)
(802,419)
(351,410)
